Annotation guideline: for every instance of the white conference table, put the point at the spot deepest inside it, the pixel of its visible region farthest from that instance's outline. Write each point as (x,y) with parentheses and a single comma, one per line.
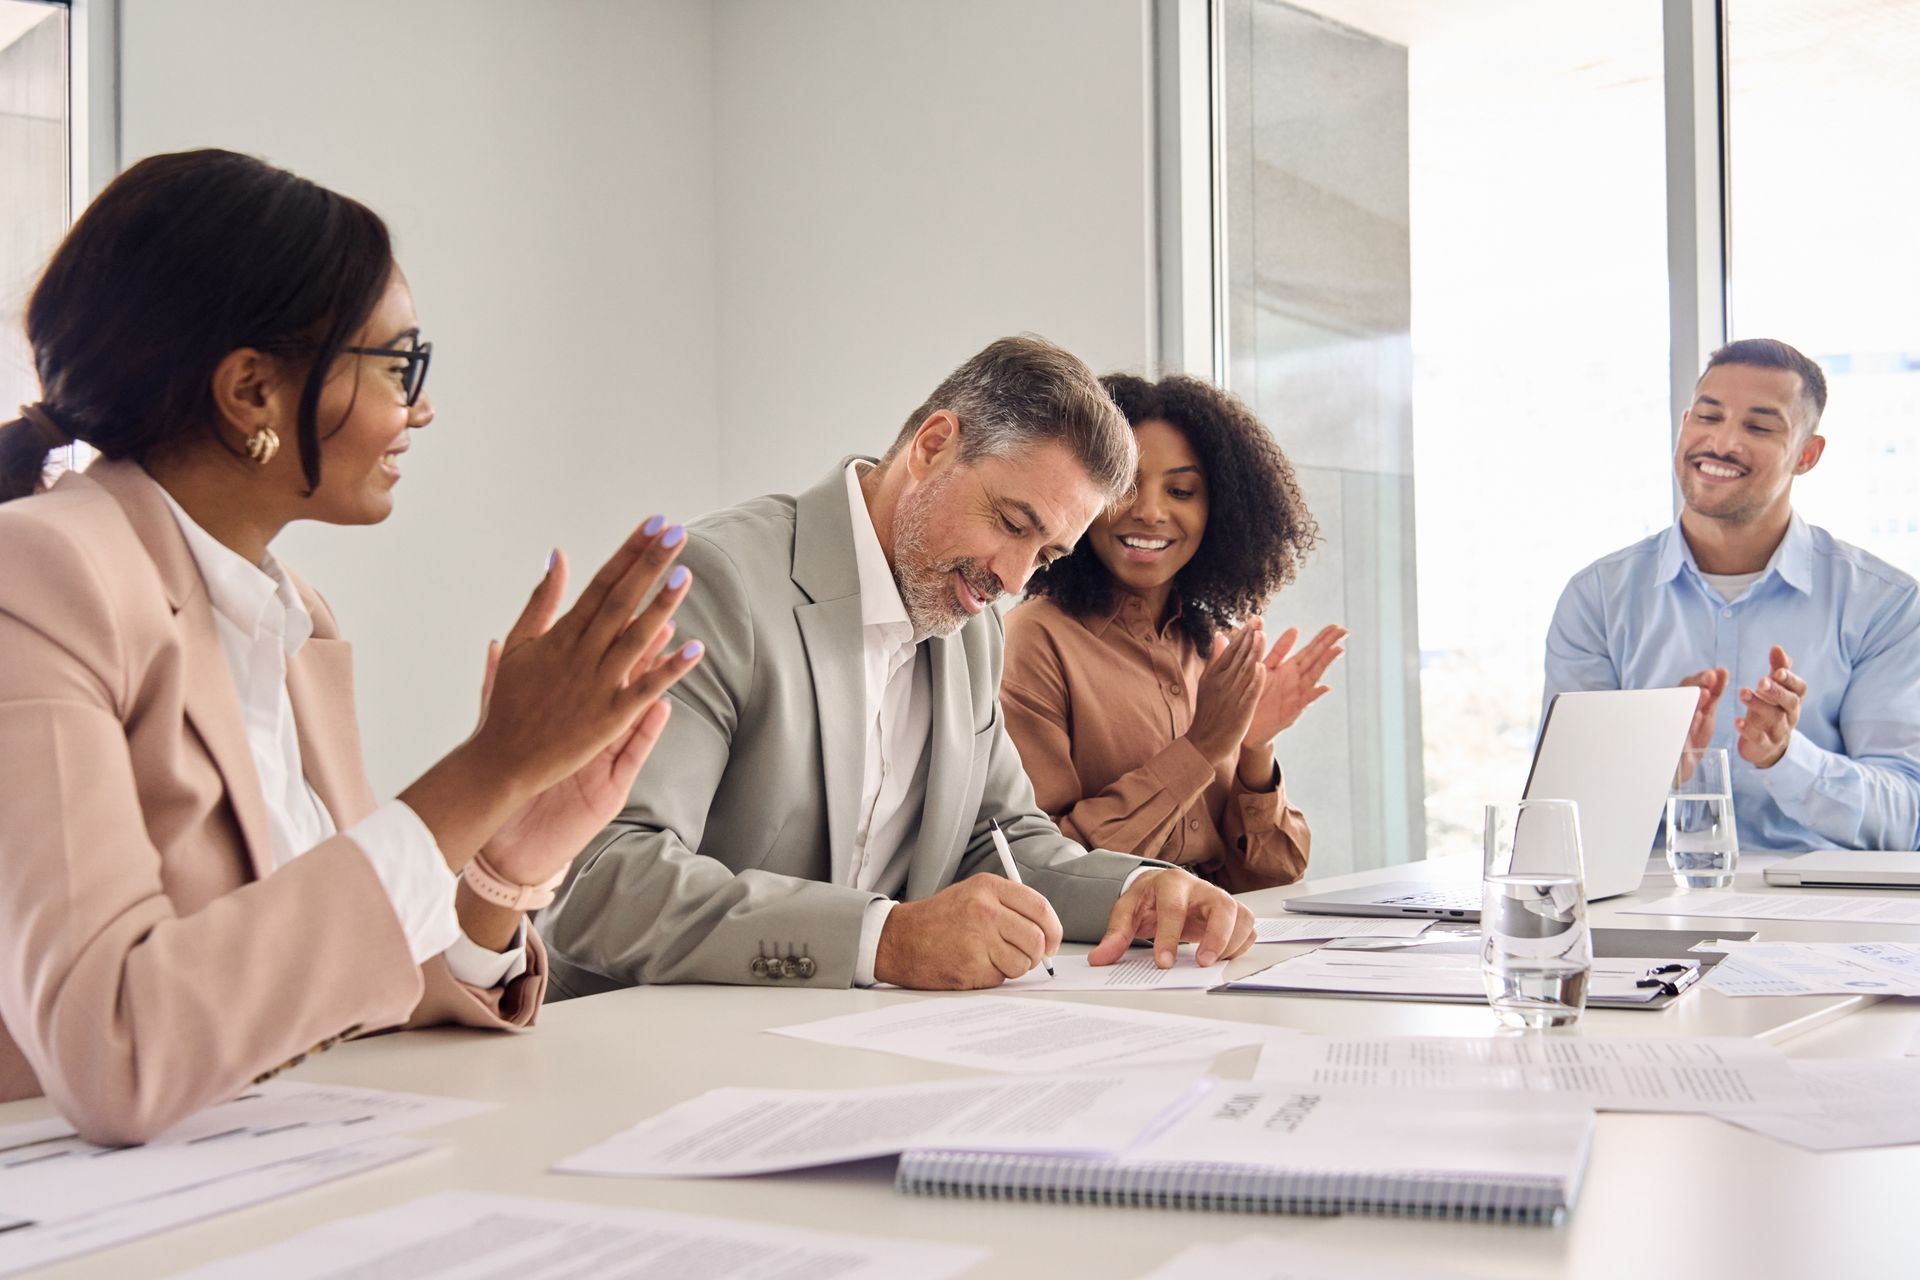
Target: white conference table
(1681,1196)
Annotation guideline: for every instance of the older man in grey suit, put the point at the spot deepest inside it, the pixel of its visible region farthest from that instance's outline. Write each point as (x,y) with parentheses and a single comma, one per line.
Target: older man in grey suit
(817,810)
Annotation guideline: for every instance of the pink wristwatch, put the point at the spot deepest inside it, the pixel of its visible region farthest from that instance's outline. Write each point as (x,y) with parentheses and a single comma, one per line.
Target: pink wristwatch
(486,882)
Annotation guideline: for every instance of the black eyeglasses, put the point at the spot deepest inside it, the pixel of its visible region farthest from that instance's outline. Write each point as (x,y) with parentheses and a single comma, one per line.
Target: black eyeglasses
(416,357)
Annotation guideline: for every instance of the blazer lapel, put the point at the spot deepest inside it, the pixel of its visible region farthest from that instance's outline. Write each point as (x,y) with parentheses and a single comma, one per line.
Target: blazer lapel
(950,760)
(320,687)
(830,627)
(212,703)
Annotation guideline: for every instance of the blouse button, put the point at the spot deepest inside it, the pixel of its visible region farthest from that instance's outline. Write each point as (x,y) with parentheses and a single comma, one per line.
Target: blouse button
(1193,824)
(1174,689)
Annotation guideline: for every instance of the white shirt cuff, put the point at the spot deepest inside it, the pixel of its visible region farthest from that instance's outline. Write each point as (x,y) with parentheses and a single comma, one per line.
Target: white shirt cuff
(1135,874)
(407,859)
(476,966)
(870,926)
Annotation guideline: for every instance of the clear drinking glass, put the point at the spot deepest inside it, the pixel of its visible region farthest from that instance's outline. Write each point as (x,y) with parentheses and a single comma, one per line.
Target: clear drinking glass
(1702,846)
(1535,951)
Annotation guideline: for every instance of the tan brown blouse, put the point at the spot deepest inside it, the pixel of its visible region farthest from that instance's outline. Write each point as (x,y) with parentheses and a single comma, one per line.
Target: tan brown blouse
(1097,707)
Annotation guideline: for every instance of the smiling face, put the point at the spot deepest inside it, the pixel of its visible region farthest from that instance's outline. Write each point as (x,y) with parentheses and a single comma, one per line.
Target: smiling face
(1742,442)
(965,533)
(365,419)
(1146,540)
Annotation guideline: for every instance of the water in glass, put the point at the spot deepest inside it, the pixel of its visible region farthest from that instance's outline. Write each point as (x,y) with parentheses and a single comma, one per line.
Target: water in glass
(1702,845)
(1536,951)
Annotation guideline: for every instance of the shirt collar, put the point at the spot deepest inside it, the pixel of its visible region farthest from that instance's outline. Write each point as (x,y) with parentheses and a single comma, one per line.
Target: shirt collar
(1792,560)
(880,602)
(1122,602)
(251,597)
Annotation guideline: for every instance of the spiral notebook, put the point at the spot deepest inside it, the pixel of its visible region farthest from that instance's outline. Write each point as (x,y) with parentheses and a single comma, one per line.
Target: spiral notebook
(1264,1148)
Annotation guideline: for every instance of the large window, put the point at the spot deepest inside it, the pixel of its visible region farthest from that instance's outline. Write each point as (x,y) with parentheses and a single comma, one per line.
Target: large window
(1823,254)
(1445,242)
(34,156)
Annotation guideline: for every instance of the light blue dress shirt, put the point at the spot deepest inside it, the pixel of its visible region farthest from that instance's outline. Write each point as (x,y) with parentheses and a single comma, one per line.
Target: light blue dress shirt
(1643,618)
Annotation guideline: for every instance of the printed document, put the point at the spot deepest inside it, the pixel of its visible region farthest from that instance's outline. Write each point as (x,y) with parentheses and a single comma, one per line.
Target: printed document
(1700,1075)
(1717,904)
(463,1233)
(1273,1258)
(727,1132)
(27,1248)
(1292,928)
(1848,1103)
(48,1174)
(1134,971)
(1007,1033)
(1816,969)
(1449,971)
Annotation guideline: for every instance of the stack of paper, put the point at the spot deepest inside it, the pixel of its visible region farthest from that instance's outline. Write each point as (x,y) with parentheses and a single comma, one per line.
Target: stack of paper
(62,1196)
(1847,1103)
(1700,1075)
(727,1132)
(1720,904)
(459,1233)
(1001,1033)
(1817,969)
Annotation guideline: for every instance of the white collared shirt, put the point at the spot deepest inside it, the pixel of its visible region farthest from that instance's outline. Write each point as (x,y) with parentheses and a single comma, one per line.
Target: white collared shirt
(261,622)
(897,728)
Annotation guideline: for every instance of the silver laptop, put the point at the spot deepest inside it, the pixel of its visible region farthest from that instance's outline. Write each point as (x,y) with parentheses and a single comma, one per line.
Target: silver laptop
(1611,752)
(1849,869)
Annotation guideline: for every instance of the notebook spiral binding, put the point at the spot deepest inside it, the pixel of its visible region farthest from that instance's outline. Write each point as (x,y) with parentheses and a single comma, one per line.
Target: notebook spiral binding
(1230,1188)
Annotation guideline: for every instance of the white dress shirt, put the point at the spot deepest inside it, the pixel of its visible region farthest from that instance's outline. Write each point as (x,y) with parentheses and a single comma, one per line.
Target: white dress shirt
(898,719)
(261,623)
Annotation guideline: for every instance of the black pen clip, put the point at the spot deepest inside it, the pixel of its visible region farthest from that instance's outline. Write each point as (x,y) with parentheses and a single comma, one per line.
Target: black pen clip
(1671,978)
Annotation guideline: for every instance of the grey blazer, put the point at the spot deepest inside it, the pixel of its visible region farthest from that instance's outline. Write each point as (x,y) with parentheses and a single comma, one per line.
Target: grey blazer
(729,863)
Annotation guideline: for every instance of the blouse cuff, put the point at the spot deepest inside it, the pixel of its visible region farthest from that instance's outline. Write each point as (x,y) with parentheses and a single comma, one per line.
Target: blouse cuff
(407,860)
(1181,769)
(475,965)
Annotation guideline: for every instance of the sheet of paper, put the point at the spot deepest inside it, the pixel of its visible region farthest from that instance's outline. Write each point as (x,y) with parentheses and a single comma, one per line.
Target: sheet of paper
(1816,969)
(1295,928)
(727,1132)
(1273,1258)
(1913,1046)
(1134,971)
(31,1247)
(464,1234)
(1719,904)
(1423,972)
(1848,1103)
(48,1174)
(1007,1033)
(1699,1075)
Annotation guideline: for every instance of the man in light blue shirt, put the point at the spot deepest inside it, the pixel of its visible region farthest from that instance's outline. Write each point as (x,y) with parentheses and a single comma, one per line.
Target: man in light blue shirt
(1821,639)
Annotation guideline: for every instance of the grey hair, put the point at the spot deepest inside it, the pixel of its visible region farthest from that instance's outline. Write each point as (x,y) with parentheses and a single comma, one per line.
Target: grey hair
(1022,392)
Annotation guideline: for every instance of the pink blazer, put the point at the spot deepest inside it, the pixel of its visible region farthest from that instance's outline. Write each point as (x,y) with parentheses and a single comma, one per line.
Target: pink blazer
(149,964)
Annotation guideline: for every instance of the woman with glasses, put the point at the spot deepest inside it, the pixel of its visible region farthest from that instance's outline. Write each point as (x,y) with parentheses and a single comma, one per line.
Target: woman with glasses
(200,885)
(1144,718)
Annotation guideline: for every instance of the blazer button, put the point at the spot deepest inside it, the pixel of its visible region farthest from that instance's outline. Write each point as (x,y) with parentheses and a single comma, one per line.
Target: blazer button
(759,967)
(803,967)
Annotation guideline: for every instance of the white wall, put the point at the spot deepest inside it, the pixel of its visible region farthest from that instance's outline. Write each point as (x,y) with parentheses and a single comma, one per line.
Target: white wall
(671,254)
(547,171)
(898,183)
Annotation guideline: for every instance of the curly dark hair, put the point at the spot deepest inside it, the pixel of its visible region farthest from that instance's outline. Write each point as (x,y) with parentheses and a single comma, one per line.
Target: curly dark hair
(1251,491)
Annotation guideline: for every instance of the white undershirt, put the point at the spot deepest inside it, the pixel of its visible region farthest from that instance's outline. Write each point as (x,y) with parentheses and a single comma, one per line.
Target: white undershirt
(261,623)
(1731,586)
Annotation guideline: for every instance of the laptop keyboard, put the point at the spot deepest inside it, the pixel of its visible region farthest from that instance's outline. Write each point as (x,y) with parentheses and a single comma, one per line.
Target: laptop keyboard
(1441,899)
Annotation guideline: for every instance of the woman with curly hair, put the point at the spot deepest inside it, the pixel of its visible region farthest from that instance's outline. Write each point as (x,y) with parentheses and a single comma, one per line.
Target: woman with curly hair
(1144,717)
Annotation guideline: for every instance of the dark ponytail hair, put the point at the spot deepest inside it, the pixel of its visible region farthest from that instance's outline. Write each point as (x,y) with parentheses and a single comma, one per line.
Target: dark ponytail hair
(183,259)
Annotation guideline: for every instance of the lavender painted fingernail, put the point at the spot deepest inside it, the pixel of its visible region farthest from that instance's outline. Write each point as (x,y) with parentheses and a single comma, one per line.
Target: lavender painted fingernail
(675,536)
(678,578)
(653,525)
(693,650)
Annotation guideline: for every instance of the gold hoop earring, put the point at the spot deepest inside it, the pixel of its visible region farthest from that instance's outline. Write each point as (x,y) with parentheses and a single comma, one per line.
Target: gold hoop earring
(263,444)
